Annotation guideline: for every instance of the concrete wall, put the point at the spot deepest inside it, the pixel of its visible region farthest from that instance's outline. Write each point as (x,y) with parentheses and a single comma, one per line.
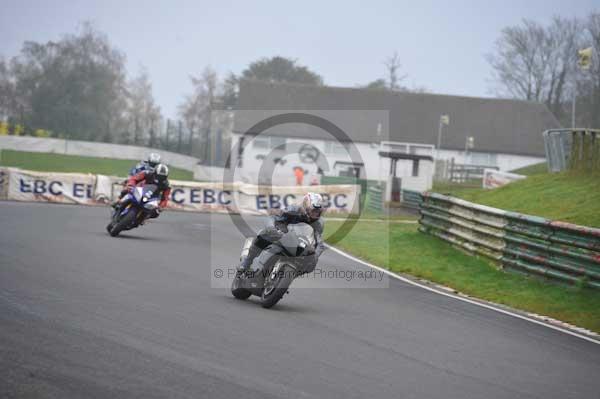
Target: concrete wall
(93,149)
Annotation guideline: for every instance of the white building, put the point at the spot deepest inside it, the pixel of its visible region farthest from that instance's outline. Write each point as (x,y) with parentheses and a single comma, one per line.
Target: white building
(506,134)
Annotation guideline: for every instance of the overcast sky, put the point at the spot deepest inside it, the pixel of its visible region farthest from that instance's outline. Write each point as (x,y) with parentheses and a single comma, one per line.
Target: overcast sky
(442,47)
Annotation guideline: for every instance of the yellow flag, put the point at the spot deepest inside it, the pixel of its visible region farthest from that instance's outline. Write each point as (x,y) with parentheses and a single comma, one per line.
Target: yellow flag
(585,58)
(18,129)
(3,128)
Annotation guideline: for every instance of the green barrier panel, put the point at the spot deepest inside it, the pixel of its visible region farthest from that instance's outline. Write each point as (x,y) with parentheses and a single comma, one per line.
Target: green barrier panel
(412,199)
(375,199)
(525,243)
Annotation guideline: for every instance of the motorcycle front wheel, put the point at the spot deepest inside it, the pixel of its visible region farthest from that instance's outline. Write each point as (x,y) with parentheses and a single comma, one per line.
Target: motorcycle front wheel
(237,291)
(123,223)
(276,287)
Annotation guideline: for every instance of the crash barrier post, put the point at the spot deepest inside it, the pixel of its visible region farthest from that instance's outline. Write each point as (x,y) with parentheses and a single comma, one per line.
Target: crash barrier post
(528,244)
(236,197)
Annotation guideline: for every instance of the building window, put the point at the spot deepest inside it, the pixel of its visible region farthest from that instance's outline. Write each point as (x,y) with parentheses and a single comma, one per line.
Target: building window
(268,142)
(483,159)
(260,142)
(333,147)
(420,150)
(278,142)
(394,147)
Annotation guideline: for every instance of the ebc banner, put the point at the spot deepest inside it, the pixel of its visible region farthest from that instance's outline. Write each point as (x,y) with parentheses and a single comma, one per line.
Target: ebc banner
(69,188)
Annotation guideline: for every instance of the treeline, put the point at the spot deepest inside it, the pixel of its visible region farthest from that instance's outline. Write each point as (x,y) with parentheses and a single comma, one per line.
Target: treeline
(78,88)
(537,62)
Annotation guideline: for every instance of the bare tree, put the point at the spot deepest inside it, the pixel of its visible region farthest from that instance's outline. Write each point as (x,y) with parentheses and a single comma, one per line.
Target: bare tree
(392,80)
(562,38)
(516,62)
(393,65)
(141,111)
(537,63)
(588,81)
(196,110)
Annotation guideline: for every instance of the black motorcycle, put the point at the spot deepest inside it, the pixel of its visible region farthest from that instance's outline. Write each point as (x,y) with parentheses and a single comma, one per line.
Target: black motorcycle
(273,271)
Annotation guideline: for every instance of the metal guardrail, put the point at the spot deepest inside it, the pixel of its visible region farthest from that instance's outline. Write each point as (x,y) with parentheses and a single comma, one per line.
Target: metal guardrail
(375,203)
(411,199)
(375,199)
(527,244)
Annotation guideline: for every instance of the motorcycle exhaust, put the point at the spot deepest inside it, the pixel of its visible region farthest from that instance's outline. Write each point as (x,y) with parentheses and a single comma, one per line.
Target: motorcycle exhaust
(246,248)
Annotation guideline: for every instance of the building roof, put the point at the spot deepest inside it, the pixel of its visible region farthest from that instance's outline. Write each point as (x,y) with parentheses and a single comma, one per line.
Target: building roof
(497,125)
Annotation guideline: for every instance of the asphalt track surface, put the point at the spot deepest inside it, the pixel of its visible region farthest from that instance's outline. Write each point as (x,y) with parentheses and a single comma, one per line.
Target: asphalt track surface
(84,315)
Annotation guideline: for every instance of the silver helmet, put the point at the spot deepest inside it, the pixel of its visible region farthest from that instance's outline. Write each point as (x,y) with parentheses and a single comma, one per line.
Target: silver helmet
(153,160)
(162,172)
(313,205)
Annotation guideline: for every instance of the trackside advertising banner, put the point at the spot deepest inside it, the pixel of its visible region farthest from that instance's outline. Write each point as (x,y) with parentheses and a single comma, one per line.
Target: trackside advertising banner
(247,198)
(67,188)
(87,189)
(494,179)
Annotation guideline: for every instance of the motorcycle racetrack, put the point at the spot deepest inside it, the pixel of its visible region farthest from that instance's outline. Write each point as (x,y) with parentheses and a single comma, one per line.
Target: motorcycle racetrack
(85,315)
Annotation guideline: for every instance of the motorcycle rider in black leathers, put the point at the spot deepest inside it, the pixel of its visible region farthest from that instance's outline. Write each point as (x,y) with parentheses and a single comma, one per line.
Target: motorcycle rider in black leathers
(309,212)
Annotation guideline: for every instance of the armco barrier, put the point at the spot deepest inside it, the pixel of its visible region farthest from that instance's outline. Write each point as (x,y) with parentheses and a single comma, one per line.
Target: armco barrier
(528,244)
(375,199)
(411,199)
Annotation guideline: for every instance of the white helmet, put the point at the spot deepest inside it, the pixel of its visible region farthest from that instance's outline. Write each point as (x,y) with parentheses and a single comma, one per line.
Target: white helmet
(153,160)
(313,205)
(162,172)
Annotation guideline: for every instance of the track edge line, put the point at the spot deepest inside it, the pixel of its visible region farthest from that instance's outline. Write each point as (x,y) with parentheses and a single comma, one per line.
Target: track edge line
(464,299)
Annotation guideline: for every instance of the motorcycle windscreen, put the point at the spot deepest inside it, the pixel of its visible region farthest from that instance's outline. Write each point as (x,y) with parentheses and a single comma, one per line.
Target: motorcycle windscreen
(138,194)
(149,190)
(298,235)
(152,204)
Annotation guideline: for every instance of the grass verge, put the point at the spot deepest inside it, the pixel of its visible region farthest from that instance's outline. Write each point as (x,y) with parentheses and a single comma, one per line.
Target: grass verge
(569,197)
(402,249)
(48,162)
(531,170)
